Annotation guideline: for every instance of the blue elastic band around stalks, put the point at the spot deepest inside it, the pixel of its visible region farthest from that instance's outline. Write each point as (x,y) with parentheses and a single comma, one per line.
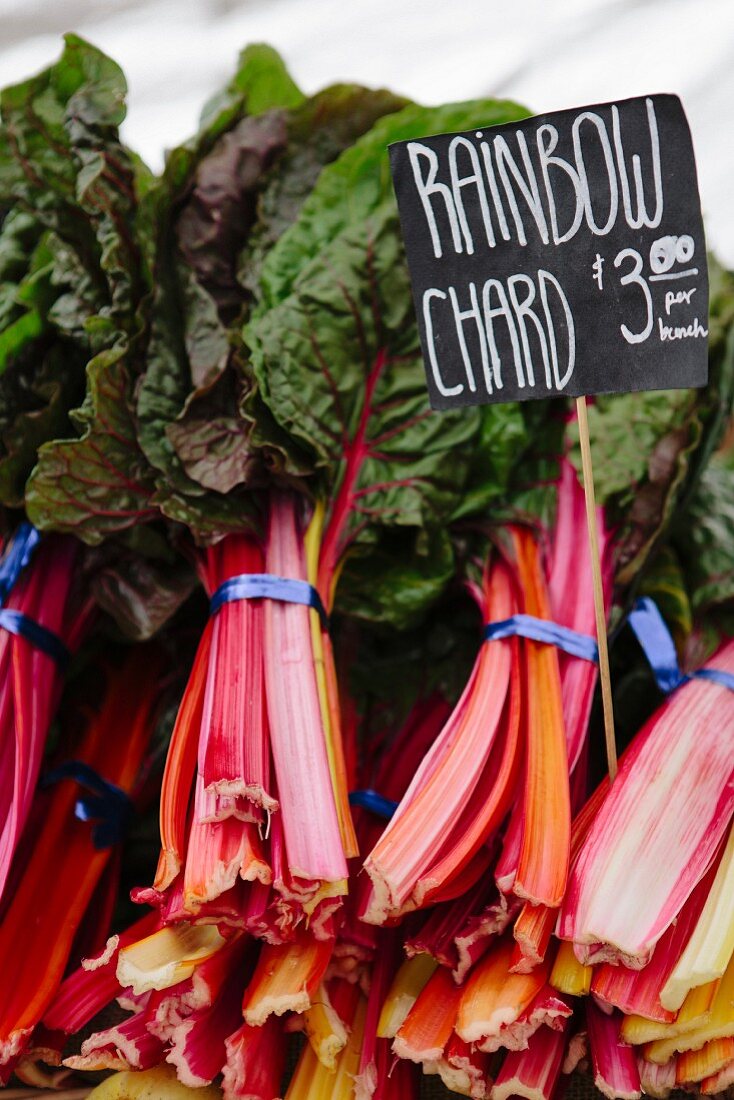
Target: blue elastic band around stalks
(266,586)
(657,644)
(543,630)
(17,555)
(374,802)
(15,622)
(651,632)
(105,804)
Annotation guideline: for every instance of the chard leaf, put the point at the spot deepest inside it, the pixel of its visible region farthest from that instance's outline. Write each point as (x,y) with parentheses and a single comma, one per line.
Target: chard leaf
(319,130)
(63,163)
(704,539)
(335,353)
(339,365)
(71,186)
(99,483)
(351,188)
(212,440)
(37,390)
(261,82)
(215,223)
(188,346)
(220,208)
(503,438)
(395,582)
(139,581)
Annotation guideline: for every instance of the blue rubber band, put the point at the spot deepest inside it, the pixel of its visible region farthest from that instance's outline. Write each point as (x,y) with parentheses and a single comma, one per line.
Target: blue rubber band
(259,586)
(105,804)
(656,642)
(715,675)
(543,630)
(18,552)
(15,622)
(374,802)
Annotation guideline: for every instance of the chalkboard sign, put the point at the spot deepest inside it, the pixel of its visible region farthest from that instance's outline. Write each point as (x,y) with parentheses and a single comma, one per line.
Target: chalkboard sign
(563,254)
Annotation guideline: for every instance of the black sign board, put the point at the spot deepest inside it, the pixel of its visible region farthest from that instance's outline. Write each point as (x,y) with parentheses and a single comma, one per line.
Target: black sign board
(563,254)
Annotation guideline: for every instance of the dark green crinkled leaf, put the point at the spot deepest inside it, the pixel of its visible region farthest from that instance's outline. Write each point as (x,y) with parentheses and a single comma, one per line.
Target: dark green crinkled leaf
(140,586)
(100,483)
(395,583)
(37,390)
(62,163)
(334,347)
(351,188)
(704,539)
(339,365)
(247,182)
(319,130)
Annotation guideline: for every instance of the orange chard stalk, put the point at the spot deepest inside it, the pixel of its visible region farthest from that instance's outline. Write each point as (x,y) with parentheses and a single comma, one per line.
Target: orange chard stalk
(545,846)
(719,1082)
(178,774)
(493,997)
(532,933)
(535,924)
(426,1030)
(696,1065)
(486,808)
(287,977)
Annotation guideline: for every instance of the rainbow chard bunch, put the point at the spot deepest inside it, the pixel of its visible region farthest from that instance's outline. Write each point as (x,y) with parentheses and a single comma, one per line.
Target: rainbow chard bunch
(65,869)
(520,728)
(43,620)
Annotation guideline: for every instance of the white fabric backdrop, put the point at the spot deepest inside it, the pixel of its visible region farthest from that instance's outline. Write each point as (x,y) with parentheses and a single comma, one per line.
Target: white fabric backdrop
(545,53)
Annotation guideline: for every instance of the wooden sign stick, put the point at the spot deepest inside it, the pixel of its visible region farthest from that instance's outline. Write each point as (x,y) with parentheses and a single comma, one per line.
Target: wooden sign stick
(600,613)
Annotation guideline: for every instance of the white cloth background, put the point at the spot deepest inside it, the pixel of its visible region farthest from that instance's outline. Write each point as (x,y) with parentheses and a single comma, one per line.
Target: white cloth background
(545,53)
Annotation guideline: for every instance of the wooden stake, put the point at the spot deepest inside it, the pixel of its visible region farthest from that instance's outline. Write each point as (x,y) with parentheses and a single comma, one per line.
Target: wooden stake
(601,618)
